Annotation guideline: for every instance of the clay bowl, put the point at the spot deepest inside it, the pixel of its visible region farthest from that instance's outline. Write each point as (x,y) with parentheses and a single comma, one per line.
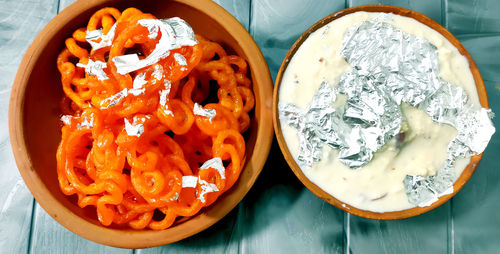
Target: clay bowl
(468,171)
(35,129)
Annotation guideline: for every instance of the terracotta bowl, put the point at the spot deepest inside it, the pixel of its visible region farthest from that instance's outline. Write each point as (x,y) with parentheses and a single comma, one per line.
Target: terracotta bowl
(468,171)
(35,129)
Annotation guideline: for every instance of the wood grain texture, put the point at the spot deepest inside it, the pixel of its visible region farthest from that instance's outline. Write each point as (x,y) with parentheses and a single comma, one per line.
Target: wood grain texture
(50,237)
(473,16)
(20,22)
(217,239)
(431,8)
(65,3)
(485,49)
(476,219)
(240,9)
(279,215)
(426,233)
(276,24)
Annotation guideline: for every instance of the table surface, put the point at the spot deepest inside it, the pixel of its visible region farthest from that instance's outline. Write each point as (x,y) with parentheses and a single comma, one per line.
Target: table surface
(279,215)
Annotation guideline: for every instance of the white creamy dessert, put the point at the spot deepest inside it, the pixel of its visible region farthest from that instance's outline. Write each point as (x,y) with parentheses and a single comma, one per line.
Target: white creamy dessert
(378,185)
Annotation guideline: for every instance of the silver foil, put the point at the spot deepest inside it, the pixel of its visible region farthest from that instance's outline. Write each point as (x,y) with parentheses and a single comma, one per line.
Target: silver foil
(175,33)
(133,129)
(66,119)
(106,40)
(208,113)
(215,163)
(157,72)
(180,59)
(165,92)
(138,85)
(95,69)
(189,181)
(86,122)
(114,99)
(206,187)
(389,67)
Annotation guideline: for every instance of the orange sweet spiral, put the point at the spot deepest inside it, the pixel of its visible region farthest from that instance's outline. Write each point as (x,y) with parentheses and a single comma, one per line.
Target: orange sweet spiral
(136,179)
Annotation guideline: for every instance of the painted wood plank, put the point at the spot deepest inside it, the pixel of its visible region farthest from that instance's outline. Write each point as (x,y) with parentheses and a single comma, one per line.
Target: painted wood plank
(281,215)
(50,237)
(426,233)
(473,16)
(431,8)
(276,24)
(65,3)
(239,9)
(20,22)
(476,220)
(220,238)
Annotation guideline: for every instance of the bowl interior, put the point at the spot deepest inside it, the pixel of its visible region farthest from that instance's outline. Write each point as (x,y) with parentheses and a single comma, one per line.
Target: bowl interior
(459,183)
(35,118)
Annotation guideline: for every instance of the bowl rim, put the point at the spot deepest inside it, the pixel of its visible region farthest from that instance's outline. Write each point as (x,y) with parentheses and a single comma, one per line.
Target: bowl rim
(392,215)
(129,238)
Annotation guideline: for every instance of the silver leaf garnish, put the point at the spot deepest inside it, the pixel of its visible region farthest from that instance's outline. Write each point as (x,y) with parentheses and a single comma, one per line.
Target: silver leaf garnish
(200,111)
(181,60)
(215,163)
(114,99)
(138,85)
(93,37)
(175,33)
(134,129)
(95,68)
(189,181)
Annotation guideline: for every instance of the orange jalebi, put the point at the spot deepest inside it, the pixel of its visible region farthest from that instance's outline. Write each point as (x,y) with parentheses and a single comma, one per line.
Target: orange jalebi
(143,154)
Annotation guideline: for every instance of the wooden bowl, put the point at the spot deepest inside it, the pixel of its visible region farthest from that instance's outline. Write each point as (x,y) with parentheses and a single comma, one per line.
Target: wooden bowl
(34,118)
(459,183)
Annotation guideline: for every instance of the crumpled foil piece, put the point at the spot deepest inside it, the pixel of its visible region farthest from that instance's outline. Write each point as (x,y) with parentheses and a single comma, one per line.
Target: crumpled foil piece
(95,69)
(200,111)
(133,129)
(389,67)
(92,37)
(215,163)
(206,187)
(157,72)
(66,119)
(180,59)
(165,92)
(175,33)
(138,85)
(114,99)
(189,181)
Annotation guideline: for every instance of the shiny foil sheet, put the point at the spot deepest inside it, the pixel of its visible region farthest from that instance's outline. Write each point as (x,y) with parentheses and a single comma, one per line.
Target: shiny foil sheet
(95,69)
(200,111)
(175,33)
(215,163)
(389,67)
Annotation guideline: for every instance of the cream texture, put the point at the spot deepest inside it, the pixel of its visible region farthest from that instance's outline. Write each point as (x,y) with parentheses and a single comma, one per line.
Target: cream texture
(377,186)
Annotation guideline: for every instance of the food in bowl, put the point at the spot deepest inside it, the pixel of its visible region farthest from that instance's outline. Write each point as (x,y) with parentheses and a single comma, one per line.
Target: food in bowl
(381,112)
(153,119)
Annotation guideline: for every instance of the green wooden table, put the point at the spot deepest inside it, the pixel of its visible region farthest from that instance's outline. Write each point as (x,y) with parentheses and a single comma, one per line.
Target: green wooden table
(279,215)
